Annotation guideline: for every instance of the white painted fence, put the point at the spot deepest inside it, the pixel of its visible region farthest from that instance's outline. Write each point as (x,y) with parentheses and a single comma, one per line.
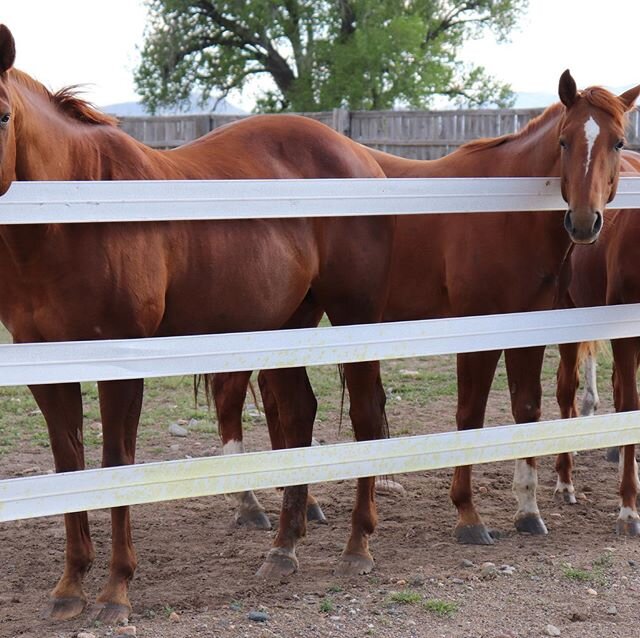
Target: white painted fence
(98,360)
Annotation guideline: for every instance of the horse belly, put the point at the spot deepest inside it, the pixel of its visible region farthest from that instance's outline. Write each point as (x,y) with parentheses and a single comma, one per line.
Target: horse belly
(241,281)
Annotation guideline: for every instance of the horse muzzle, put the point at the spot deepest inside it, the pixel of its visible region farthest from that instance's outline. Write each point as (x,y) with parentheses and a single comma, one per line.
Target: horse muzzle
(583,229)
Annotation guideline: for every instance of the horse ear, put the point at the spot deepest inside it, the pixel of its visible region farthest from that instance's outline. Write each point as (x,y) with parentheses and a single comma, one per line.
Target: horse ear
(567,89)
(7,49)
(629,97)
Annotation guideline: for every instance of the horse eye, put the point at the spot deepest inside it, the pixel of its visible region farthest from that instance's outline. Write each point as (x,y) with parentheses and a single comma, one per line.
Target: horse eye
(4,120)
(619,145)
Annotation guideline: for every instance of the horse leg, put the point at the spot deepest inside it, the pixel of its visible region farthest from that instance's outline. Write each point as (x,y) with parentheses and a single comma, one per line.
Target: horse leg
(524,367)
(276,435)
(568,380)
(590,398)
(625,356)
(229,392)
(120,404)
(61,405)
(367,401)
(297,409)
(475,375)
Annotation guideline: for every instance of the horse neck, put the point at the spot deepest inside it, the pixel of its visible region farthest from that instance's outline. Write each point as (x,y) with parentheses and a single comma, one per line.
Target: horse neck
(532,152)
(53,146)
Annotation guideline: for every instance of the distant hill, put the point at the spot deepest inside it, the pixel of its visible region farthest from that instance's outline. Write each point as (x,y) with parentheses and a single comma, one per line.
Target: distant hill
(533,100)
(137,109)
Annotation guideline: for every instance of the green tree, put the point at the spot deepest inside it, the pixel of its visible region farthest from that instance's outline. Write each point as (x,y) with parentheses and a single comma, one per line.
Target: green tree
(321,54)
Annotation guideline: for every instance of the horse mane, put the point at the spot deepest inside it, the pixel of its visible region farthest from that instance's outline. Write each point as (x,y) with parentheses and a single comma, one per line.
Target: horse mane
(531,127)
(595,95)
(66,100)
(606,101)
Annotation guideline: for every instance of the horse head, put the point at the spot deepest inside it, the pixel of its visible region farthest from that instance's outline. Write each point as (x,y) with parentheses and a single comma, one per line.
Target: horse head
(591,138)
(7,130)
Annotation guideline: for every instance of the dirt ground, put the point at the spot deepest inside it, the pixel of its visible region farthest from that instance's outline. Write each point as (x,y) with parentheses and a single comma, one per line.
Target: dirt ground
(581,578)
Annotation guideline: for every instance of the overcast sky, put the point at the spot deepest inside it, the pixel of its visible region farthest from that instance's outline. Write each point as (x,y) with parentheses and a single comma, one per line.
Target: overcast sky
(95,42)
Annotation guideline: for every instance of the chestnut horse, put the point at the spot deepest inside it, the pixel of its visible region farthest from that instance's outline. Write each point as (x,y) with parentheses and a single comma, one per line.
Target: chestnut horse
(448,265)
(65,282)
(607,274)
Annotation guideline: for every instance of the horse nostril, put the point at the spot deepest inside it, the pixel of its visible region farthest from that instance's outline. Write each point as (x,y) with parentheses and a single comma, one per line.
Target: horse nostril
(568,224)
(597,225)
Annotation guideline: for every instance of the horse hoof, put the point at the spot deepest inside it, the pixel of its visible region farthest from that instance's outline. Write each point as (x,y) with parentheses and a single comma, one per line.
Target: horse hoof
(253,519)
(354,564)
(388,487)
(65,608)
(279,562)
(568,497)
(112,613)
(315,513)
(612,455)
(531,524)
(628,527)
(473,535)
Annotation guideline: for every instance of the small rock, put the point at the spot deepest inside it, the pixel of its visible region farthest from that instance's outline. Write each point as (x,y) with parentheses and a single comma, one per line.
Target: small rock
(34,469)
(457,581)
(577,616)
(507,570)
(127,630)
(192,423)
(592,592)
(85,634)
(483,489)
(409,373)
(465,562)
(632,563)
(401,582)
(488,571)
(551,630)
(173,617)
(177,430)
(258,616)
(612,611)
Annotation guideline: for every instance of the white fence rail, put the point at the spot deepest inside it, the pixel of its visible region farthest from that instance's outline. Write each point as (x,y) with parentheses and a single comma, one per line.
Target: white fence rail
(101,360)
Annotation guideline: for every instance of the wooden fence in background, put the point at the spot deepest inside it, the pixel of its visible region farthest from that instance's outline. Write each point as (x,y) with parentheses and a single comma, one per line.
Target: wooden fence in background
(414,134)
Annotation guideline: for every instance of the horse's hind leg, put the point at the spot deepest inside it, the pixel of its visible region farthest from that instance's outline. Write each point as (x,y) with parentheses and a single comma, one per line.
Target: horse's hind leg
(625,356)
(229,392)
(61,405)
(475,375)
(367,399)
(297,409)
(120,404)
(276,435)
(568,379)
(524,367)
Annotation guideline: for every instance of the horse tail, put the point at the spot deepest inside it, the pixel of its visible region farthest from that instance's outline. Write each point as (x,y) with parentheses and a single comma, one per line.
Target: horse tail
(588,349)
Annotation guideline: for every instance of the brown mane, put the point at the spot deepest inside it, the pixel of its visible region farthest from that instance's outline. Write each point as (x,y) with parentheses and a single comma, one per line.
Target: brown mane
(66,100)
(531,126)
(606,101)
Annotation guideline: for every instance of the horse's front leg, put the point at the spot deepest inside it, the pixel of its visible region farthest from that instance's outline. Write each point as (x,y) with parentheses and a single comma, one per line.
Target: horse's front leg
(61,405)
(524,367)
(229,392)
(475,375)
(625,356)
(120,404)
(568,380)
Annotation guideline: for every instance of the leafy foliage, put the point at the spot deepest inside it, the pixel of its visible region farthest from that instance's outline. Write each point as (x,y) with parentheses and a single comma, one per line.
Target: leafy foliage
(321,54)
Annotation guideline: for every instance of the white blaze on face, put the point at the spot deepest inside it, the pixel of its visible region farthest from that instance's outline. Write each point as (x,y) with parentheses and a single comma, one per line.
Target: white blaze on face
(591,132)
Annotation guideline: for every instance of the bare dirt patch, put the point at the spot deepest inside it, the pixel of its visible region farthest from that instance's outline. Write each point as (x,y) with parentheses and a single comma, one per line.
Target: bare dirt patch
(581,578)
